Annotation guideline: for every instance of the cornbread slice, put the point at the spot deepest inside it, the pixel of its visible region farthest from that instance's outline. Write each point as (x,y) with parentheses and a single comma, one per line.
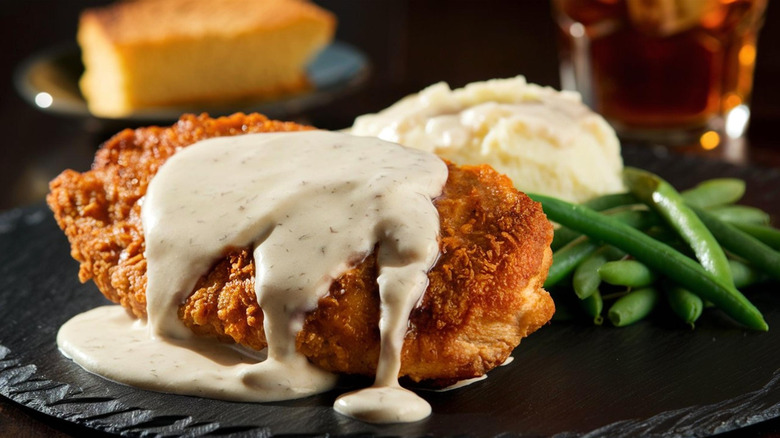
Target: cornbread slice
(151,53)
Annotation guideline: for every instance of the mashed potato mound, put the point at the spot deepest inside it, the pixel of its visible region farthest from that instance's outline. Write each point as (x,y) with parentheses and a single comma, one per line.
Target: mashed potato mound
(546,141)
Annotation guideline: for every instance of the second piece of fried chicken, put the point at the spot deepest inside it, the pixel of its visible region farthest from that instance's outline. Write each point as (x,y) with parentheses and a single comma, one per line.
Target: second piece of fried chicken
(485,292)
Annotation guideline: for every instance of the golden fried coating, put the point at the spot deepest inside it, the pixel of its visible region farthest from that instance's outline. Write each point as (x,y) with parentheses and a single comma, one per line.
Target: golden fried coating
(485,292)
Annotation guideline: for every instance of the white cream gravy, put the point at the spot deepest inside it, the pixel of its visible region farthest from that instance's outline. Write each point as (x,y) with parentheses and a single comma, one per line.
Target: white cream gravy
(311,205)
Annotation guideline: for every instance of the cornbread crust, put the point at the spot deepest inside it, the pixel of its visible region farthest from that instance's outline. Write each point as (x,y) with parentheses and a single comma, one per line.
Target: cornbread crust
(141,22)
(485,292)
(151,53)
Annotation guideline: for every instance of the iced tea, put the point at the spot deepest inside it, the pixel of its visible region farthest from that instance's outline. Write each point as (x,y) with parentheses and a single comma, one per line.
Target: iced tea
(661,66)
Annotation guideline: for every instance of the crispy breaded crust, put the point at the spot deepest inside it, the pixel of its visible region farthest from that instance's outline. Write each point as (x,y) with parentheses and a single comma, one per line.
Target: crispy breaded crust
(99,210)
(484,294)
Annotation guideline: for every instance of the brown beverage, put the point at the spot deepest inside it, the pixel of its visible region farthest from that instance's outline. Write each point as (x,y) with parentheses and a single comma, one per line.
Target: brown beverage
(660,65)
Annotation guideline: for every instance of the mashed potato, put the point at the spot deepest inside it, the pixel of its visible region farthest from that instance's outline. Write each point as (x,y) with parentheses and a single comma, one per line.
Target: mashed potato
(546,141)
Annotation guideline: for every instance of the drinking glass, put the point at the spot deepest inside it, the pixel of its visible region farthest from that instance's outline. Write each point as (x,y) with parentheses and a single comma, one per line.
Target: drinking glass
(664,71)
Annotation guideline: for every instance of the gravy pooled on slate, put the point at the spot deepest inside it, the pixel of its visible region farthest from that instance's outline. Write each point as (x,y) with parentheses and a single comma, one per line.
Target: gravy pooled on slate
(309,204)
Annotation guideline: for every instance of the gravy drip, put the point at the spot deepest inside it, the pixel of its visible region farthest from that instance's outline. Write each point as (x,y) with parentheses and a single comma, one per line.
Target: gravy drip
(311,205)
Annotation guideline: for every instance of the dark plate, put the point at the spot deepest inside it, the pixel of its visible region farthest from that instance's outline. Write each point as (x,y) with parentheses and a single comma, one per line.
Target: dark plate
(570,378)
(49,81)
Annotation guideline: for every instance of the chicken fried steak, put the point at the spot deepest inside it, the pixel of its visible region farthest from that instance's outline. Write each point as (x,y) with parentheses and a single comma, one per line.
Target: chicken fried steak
(485,292)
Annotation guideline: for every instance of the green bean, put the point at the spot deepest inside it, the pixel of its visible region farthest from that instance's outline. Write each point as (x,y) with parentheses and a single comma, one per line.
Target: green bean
(640,219)
(743,245)
(685,304)
(586,279)
(669,237)
(659,194)
(566,259)
(633,307)
(714,192)
(593,305)
(615,295)
(629,273)
(606,202)
(741,214)
(745,275)
(768,235)
(563,236)
(634,218)
(655,255)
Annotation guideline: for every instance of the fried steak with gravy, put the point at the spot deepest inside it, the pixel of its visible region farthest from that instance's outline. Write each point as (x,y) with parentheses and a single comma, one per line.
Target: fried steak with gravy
(485,292)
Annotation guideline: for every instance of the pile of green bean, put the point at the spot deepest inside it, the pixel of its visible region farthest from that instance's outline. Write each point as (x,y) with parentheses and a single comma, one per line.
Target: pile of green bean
(694,248)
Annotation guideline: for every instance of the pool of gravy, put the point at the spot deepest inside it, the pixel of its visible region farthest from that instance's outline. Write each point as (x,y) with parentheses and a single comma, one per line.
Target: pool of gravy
(309,204)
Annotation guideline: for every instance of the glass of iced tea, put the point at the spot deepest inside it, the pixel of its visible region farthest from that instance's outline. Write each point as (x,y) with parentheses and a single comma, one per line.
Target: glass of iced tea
(666,71)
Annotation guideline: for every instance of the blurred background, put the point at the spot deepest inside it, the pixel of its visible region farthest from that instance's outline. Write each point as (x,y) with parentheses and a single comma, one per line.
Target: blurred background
(410,45)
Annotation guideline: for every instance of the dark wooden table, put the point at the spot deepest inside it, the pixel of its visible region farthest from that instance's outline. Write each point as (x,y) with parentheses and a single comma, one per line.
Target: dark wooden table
(411,44)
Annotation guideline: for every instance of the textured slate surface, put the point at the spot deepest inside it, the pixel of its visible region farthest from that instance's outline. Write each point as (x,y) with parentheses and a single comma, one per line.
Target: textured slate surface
(569,379)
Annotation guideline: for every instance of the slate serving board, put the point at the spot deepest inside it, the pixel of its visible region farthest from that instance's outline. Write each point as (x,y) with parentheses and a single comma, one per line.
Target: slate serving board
(568,379)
